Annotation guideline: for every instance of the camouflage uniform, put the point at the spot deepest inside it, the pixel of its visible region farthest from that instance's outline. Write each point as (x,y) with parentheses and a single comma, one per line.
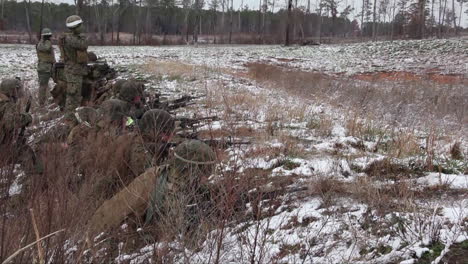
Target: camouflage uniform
(73,48)
(150,191)
(138,151)
(132,93)
(12,120)
(46,59)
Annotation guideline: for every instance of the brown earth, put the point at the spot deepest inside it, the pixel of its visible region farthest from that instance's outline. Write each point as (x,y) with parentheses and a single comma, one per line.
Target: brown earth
(409,76)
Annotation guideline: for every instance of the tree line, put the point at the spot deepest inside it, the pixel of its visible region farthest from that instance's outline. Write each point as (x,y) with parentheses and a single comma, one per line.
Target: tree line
(152,22)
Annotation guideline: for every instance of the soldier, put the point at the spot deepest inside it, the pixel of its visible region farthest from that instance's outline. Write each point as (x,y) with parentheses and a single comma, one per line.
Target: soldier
(153,191)
(137,151)
(114,116)
(111,90)
(46,59)
(132,94)
(12,121)
(73,49)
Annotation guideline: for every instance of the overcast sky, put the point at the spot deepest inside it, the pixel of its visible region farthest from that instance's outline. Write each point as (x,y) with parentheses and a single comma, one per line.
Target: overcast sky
(356,4)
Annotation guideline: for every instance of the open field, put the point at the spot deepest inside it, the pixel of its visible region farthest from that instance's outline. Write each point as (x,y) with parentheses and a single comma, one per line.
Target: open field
(358,155)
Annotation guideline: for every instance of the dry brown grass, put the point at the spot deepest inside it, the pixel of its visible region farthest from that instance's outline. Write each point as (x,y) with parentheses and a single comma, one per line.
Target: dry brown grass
(327,188)
(172,69)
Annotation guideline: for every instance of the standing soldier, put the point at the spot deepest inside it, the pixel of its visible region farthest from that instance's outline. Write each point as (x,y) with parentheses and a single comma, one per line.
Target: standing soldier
(73,49)
(46,59)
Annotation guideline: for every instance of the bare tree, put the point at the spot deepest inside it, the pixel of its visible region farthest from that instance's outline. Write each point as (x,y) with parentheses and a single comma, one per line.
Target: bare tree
(422,18)
(288,24)
(230,21)
(374,21)
(460,2)
(79,7)
(28,23)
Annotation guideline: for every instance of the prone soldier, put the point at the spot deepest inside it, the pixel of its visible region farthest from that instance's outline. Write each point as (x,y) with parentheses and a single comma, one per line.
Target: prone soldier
(12,125)
(155,190)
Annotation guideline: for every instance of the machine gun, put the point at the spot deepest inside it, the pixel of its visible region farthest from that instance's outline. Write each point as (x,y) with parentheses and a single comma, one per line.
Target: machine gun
(185,122)
(216,143)
(171,105)
(100,69)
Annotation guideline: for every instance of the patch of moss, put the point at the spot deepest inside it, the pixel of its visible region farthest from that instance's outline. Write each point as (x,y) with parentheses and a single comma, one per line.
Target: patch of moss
(384,250)
(434,251)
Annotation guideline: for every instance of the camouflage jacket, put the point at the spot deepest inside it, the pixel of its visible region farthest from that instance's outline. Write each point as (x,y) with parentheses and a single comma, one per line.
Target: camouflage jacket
(73,51)
(45,55)
(11,119)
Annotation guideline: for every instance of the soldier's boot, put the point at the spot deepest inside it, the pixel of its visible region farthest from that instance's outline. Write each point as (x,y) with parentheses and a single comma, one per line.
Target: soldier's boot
(43,88)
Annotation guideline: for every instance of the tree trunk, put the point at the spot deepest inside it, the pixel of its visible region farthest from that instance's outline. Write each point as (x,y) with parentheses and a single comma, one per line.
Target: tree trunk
(223,5)
(240,21)
(148,29)
(440,20)
(195,30)
(265,9)
(259,22)
(461,14)
(443,12)
(454,18)
(3,6)
(374,20)
(28,24)
(362,18)
(79,7)
(230,22)
(288,24)
(422,18)
(319,26)
(432,17)
(393,20)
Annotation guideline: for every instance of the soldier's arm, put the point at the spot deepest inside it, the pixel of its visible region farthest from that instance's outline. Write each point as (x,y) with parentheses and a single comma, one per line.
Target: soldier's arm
(44,46)
(139,159)
(77,42)
(132,199)
(14,120)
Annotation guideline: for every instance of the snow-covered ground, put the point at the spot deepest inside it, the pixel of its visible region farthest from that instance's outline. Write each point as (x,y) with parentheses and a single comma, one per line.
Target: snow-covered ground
(448,56)
(308,141)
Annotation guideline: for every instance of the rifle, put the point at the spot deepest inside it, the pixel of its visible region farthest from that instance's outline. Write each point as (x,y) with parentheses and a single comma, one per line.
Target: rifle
(190,122)
(224,144)
(215,143)
(179,103)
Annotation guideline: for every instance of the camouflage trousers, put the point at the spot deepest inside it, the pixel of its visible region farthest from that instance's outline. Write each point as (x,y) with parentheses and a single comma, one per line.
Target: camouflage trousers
(44,78)
(59,94)
(74,97)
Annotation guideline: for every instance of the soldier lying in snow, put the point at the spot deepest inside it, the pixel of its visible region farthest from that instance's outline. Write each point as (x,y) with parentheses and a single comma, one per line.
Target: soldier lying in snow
(12,125)
(184,178)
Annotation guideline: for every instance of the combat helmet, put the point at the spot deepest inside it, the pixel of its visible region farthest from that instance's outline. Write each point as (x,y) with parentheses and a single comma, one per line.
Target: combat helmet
(118,85)
(92,57)
(129,91)
(73,21)
(192,162)
(156,123)
(11,87)
(46,32)
(113,110)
